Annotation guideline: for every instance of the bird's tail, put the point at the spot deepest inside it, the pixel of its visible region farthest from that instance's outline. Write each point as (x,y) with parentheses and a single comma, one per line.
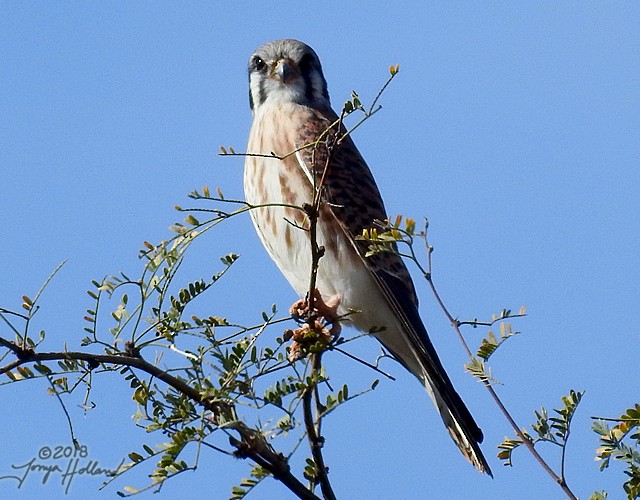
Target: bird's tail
(408,341)
(411,346)
(458,422)
(421,359)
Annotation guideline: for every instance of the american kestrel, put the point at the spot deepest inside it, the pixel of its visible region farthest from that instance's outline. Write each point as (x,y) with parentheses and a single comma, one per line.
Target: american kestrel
(291,110)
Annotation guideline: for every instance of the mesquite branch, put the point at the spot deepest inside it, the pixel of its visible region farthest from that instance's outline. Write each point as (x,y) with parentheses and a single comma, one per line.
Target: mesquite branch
(456,326)
(313,427)
(249,444)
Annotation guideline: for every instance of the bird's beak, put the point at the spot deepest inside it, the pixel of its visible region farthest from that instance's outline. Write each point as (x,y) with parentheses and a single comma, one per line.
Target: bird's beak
(284,70)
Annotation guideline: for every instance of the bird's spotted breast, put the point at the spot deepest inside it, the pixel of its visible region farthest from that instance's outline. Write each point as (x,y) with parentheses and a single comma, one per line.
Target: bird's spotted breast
(283,185)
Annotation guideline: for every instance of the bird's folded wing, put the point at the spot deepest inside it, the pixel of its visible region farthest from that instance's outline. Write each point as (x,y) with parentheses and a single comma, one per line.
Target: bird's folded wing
(349,190)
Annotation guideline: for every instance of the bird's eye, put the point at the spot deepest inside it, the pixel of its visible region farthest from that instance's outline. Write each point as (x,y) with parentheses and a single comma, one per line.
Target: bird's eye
(258,64)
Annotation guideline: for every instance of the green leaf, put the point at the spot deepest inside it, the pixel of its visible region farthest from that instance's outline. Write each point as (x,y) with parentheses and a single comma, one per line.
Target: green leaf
(135,457)
(43,369)
(190,219)
(27,303)
(490,343)
(506,450)
(477,368)
(598,495)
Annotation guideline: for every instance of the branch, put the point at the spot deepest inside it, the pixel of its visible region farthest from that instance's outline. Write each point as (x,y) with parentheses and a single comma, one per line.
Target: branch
(252,444)
(17,350)
(456,326)
(316,441)
(276,464)
(476,323)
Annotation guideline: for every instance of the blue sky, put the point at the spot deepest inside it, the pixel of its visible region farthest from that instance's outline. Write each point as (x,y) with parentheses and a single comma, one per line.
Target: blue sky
(513,128)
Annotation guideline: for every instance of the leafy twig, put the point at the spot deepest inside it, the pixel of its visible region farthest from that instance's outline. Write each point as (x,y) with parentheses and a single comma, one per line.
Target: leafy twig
(384,241)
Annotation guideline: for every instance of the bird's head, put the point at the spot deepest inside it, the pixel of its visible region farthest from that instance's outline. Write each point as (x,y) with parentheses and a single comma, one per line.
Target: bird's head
(286,71)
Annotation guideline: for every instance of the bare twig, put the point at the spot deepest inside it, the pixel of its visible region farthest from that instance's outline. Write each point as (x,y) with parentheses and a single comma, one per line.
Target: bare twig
(363,362)
(476,323)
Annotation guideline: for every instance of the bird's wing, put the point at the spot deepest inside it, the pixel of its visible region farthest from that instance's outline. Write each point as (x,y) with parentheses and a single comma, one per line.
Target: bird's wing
(350,192)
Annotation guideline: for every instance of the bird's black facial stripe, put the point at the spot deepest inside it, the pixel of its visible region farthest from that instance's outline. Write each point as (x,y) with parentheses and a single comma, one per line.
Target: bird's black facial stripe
(262,92)
(311,71)
(306,63)
(257,67)
(307,73)
(307,67)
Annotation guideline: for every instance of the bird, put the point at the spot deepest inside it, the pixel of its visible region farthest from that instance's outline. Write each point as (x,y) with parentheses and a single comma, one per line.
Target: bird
(292,154)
